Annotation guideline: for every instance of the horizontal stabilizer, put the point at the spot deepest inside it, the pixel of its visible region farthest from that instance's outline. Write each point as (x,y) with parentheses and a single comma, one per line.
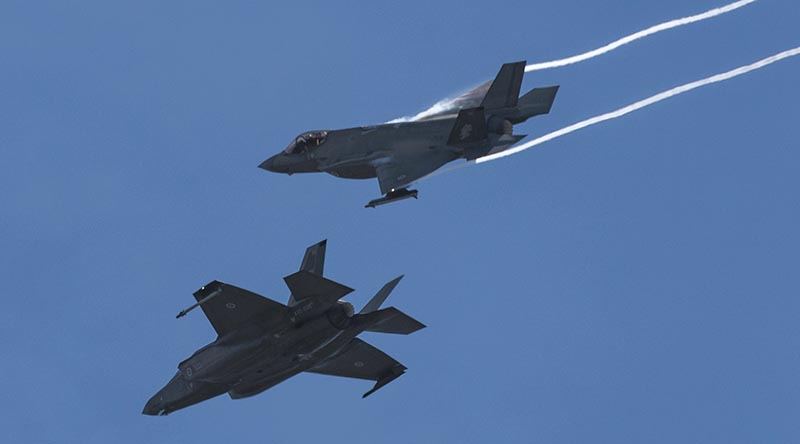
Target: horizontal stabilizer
(305,284)
(539,98)
(505,88)
(505,142)
(470,127)
(392,320)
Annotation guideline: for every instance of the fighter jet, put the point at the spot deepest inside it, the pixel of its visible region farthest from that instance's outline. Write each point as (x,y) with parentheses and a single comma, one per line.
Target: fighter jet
(401,153)
(261,342)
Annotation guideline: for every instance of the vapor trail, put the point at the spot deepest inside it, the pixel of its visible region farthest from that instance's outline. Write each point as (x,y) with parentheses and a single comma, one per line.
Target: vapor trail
(639,35)
(642,104)
(473,98)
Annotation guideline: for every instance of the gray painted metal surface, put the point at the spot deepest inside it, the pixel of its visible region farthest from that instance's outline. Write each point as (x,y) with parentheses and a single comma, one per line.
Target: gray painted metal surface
(399,154)
(261,342)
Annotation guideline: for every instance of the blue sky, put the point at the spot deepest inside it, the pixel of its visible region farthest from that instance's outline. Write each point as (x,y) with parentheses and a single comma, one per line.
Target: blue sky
(636,281)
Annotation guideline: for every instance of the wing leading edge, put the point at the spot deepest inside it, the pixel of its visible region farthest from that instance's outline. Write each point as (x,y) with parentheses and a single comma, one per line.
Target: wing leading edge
(228,307)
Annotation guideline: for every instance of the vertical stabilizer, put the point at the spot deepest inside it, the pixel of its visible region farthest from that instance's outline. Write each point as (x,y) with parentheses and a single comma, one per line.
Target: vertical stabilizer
(313,262)
(377,300)
(314,259)
(469,128)
(504,91)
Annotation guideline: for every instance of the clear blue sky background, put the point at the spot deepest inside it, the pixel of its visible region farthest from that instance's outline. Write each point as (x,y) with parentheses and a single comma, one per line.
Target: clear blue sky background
(633,282)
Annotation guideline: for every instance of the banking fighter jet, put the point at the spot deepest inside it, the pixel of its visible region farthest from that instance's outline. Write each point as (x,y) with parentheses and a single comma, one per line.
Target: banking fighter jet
(400,153)
(261,342)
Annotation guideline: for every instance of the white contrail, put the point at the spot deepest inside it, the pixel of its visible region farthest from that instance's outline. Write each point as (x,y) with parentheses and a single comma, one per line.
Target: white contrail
(453,103)
(639,35)
(642,103)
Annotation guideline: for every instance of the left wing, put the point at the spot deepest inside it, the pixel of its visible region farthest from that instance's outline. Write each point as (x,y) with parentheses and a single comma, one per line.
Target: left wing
(403,170)
(228,307)
(363,361)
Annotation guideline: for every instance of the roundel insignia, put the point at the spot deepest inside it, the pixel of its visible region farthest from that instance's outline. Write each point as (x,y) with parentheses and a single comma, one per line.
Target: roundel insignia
(359,364)
(230,305)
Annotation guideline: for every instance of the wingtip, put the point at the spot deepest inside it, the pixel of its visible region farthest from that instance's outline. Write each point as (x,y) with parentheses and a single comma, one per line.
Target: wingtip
(322,243)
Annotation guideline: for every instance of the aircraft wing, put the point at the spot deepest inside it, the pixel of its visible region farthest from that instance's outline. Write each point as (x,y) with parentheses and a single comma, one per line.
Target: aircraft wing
(363,361)
(403,170)
(227,307)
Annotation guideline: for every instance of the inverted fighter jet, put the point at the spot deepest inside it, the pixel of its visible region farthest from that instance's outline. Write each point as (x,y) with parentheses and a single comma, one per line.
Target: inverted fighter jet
(400,153)
(261,342)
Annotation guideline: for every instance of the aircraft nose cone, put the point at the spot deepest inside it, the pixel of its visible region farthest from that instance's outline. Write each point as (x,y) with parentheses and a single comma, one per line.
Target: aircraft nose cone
(289,164)
(152,407)
(269,164)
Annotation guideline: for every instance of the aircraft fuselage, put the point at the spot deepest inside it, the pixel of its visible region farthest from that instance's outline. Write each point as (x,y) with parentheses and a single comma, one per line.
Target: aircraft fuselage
(252,360)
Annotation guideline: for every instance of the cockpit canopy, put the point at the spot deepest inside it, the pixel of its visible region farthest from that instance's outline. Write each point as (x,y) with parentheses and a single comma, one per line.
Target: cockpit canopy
(306,142)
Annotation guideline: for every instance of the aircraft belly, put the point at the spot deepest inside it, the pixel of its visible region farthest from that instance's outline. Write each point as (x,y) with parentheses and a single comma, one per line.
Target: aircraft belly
(199,392)
(252,387)
(274,369)
(289,354)
(355,170)
(317,334)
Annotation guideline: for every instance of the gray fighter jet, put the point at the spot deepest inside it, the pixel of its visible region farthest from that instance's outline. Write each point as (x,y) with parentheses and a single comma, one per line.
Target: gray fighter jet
(400,153)
(261,342)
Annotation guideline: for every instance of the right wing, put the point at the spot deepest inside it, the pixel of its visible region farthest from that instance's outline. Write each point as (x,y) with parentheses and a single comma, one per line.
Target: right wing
(363,361)
(228,307)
